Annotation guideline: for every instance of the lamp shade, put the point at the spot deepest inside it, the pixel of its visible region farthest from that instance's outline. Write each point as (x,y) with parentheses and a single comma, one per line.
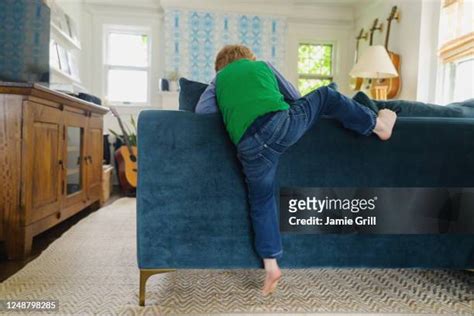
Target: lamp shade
(374,63)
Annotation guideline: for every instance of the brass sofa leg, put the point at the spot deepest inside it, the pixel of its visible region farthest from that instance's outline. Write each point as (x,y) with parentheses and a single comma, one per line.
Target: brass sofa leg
(144,275)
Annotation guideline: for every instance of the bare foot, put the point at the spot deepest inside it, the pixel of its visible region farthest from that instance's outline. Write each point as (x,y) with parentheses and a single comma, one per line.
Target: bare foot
(273,274)
(384,125)
(271,282)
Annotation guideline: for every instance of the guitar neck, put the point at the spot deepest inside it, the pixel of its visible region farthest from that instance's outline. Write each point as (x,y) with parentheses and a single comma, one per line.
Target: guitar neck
(125,135)
(393,16)
(356,57)
(387,36)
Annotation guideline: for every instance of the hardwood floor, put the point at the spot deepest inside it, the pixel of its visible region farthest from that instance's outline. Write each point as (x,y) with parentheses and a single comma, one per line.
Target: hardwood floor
(43,240)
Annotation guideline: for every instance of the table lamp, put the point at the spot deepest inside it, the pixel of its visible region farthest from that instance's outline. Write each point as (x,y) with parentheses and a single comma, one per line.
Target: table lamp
(375,63)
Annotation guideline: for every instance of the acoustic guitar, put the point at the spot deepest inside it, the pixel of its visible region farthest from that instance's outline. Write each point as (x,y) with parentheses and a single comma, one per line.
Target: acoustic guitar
(126,157)
(375,27)
(356,83)
(393,84)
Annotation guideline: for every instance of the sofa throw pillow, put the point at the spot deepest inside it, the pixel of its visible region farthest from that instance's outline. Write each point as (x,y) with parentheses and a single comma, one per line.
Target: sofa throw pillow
(467,107)
(189,94)
(364,99)
(468,103)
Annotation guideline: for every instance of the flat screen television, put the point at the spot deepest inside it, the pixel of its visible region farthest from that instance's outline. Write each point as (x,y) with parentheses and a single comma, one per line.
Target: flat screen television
(24,41)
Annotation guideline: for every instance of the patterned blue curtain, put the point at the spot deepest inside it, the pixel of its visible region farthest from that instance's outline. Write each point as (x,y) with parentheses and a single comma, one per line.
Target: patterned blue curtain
(193,38)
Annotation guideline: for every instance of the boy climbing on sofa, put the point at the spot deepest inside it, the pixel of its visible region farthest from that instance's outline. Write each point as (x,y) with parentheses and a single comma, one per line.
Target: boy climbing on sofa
(264,115)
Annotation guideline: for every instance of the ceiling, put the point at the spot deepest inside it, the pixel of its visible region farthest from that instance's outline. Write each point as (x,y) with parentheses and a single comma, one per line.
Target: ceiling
(286,2)
(157,3)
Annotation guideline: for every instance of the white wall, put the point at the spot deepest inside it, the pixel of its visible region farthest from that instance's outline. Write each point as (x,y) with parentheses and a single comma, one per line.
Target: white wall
(413,38)
(95,18)
(306,22)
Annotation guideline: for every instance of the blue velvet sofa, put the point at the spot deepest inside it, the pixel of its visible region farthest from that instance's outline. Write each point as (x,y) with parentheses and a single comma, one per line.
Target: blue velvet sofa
(191,197)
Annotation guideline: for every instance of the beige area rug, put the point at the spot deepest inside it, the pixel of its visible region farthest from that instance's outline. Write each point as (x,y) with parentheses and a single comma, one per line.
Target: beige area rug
(92,269)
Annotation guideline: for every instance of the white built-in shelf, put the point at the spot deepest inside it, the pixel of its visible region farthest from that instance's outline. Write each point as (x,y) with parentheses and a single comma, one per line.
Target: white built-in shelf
(64,75)
(64,38)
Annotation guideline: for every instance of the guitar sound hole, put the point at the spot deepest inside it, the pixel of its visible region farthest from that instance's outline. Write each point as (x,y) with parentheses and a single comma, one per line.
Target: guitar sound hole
(133,158)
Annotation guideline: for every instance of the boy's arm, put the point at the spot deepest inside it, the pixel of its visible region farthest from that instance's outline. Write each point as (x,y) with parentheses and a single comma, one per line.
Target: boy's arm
(207,102)
(286,88)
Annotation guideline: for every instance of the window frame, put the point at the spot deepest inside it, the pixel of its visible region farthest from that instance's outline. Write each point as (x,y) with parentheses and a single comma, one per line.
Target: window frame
(106,67)
(447,80)
(314,76)
(452,50)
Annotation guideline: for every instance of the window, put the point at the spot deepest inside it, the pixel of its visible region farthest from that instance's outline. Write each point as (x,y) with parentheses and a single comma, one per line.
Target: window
(127,65)
(456,51)
(457,80)
(315,66)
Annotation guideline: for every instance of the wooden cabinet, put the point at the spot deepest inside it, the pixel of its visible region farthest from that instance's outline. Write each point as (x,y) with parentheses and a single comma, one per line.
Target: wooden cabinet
(41,150)
(51,161)
(73,164)
(94,154)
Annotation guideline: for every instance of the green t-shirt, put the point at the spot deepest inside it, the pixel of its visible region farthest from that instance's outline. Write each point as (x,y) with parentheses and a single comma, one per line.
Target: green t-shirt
(245,90)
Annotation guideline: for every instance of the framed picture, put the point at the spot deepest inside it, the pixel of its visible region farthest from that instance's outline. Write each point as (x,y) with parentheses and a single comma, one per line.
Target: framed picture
(72,28)
(63,26)
(56,13)
(54,55)
(73,65)
(63,60)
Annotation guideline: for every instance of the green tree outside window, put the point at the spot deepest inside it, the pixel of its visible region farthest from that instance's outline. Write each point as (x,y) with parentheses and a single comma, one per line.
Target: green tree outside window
(315,66)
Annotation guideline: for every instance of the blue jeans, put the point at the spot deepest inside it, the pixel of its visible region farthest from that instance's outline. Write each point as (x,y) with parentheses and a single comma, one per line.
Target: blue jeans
(269,136)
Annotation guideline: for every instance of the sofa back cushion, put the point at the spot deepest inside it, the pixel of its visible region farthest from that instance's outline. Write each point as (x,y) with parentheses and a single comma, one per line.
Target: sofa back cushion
(189,94)
(419,109)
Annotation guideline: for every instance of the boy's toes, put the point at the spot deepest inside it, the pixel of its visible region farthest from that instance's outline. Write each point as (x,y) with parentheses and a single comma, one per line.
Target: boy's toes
(271,282)
(385,122)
